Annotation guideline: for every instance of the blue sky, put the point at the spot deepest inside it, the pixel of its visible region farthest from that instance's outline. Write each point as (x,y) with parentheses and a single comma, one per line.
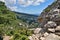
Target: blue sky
(28,6)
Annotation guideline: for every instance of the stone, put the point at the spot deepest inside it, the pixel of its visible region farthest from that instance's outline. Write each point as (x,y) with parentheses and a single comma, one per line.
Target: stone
(37,30)
(46,34)
(38,35)
(50,24)
(52,37)
(42,38)
(30,38)
(35,37)
(57,28)
(56,18)
(51,30)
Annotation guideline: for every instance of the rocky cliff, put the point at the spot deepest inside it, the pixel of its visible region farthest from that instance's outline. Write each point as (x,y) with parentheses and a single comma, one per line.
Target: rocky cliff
(51,13)
(49,24)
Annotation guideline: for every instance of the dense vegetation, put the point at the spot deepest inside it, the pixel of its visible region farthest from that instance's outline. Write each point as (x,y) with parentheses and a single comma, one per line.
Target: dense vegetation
(29,19)
(9,25)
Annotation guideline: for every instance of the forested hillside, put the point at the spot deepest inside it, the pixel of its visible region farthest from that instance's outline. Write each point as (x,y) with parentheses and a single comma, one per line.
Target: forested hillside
(9,25)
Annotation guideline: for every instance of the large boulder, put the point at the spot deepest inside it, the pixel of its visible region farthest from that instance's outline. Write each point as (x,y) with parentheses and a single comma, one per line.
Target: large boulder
(51,30)
(56,17)
(42,38)
(57,28)
(50,24)
(52,37)
(46,34)
(30,38)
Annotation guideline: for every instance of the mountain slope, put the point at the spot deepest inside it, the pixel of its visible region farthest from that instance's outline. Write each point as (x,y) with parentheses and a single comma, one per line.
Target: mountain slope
(6,16)
(10,25)
(50,12)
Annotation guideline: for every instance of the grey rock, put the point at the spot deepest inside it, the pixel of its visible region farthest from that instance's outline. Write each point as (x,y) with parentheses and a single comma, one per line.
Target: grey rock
(35,37)
(37,30)
(46,34)
(52,37)
(51,30)
(42,38)
(57,28)
(50,24)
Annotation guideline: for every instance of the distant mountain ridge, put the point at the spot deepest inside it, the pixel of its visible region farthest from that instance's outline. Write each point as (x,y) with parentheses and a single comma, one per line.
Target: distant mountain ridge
(26,14)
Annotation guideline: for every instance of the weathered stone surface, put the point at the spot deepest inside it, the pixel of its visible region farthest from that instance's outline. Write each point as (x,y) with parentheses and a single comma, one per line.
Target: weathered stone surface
(42,38)
(52,37)
(57,28)
(35,37)
(49,21)
(51,30)
(46,34)
(30,38)
(38,35)
(37,30)
(50,24)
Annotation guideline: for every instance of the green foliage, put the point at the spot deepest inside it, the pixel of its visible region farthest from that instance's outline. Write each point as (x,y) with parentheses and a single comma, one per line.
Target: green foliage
(47,9)
(9,25)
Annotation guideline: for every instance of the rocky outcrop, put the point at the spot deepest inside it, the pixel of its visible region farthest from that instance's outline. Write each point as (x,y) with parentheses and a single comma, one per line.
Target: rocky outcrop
(52,37)
(46,33)
(49,24)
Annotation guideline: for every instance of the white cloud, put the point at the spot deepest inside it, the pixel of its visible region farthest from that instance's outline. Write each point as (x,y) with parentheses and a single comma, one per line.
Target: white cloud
(2,0)
(13,8)
(23,3)
(10,2)
(30,2)
(38,2)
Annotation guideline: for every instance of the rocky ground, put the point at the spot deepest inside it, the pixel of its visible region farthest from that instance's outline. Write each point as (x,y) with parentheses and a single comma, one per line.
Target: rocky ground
(50,32)
(50,25)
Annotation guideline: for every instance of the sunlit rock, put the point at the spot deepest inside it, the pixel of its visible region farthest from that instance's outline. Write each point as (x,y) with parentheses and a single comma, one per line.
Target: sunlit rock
(50,24)
(52,37)
(37,30)
(51,30)
(46,34)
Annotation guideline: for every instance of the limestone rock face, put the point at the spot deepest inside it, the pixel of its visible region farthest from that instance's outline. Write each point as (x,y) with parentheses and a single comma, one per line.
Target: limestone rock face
(37,30)
(30,38)
(57,28)
(50,24)
(52,37)
(46,34)
(51,30)
(42,38)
